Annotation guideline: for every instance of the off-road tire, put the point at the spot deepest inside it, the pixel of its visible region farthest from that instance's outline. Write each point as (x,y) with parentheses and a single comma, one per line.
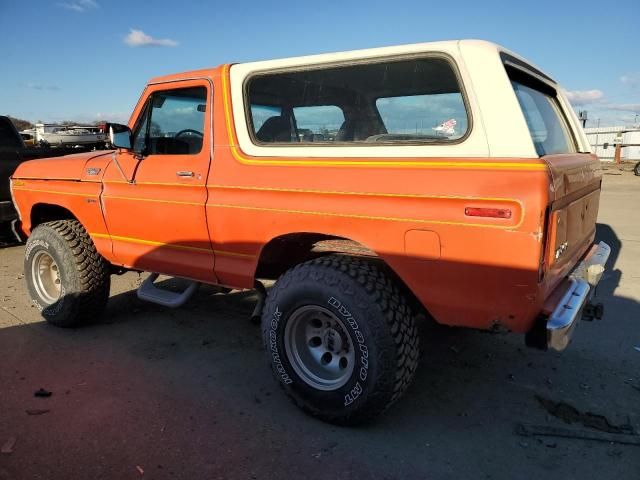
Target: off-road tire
(84,274)
(379,322)
(636,170)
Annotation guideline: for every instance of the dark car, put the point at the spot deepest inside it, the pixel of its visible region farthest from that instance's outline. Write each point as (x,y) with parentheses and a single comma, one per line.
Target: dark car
(12,153)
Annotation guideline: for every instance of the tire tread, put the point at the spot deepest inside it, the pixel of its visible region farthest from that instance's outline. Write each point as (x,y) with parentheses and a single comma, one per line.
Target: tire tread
(384,292)
(92,269)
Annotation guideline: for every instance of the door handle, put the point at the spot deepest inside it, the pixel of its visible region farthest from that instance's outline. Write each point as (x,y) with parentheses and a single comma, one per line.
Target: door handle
(184,174)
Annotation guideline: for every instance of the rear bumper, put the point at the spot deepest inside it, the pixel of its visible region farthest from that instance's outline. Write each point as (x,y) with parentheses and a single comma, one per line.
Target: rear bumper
(575,297)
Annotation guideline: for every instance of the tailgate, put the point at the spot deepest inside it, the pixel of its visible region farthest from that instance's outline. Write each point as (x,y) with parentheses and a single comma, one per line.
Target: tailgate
(572,215)
(574,190)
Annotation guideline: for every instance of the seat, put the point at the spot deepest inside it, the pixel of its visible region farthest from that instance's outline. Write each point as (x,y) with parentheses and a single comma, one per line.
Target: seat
(359,129)
(169,146)
(346,132)
(275,129)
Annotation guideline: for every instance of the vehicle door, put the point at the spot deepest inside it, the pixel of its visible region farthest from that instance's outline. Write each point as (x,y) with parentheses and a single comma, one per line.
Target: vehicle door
(154,194)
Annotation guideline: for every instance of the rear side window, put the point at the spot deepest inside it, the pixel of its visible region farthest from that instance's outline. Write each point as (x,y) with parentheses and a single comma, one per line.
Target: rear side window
(260,113)
(318,123)
(416,100)
(548,128)
(442,115)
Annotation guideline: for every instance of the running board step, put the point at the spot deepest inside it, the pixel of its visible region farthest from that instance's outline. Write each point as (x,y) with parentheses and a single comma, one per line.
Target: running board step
(150,293)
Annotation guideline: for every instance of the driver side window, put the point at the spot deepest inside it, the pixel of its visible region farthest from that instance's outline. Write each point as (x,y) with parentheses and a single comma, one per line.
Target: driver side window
(172,123)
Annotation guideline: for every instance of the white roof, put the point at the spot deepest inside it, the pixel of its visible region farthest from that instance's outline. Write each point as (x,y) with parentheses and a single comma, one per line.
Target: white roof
(413,48)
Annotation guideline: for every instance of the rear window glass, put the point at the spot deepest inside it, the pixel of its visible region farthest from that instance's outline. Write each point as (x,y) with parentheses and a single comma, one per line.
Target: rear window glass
(547,126)
(318,123)
(418,100)
(442,115)
(260,113)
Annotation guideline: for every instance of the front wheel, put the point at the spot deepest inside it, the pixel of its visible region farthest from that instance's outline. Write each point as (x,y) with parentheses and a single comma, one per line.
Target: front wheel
(636,169)
(341,338)
(67,278)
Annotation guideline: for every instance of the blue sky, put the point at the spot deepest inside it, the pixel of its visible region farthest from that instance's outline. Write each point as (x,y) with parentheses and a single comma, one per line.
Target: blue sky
(89,59)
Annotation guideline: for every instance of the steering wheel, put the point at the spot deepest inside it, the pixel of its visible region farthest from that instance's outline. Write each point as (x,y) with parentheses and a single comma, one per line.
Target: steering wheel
(190,131)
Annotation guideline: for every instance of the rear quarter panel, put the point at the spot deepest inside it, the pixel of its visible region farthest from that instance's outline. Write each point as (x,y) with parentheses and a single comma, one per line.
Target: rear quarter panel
(481,273)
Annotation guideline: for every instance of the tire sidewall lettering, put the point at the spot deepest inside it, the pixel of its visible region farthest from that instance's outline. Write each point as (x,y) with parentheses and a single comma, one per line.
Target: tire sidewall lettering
(344,396)
(363,372)
(273,347)
(33,244)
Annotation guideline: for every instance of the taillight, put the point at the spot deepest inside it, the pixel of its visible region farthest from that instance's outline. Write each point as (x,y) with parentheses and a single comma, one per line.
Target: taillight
(488,212)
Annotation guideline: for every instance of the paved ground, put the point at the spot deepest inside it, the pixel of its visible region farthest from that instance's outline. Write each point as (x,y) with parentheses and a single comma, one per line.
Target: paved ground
(163,394)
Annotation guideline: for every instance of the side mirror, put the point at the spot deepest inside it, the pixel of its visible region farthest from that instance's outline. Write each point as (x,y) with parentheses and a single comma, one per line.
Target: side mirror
(120,136)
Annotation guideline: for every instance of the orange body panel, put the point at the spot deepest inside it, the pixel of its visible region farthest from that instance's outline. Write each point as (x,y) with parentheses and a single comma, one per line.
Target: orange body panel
(479,272)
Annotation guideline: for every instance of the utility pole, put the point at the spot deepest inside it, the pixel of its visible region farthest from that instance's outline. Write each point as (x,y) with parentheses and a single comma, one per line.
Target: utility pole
(582,116)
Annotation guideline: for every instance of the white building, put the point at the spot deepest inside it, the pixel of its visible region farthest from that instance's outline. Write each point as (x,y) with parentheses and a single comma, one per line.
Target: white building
(603,142)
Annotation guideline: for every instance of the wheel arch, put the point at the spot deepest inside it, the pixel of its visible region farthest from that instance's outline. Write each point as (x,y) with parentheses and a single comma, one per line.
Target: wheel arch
(46,212)
(288,250)
(42,212)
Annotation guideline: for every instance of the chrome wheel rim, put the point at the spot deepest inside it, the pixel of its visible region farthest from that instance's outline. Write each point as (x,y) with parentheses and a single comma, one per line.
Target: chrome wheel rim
(46,277)
(319,348)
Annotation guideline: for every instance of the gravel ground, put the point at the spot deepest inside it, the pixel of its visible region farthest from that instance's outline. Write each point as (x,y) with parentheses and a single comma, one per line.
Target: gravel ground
(154,393)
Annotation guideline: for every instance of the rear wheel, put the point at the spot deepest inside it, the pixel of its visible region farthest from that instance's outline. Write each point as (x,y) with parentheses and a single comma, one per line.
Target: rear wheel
(636,169)
(67,278)
(341,338)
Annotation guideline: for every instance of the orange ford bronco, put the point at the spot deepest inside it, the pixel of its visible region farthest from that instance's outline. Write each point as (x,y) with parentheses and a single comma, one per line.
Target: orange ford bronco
(449,180)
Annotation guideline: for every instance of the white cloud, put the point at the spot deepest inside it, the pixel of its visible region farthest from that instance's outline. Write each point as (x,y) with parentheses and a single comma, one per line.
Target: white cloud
(583,97)
(79,5)
(631,80)
(623,107)
(137,38)
(39,86)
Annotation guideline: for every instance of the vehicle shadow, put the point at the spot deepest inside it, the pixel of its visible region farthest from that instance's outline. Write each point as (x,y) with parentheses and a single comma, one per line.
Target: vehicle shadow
(611,279)
(195,379)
